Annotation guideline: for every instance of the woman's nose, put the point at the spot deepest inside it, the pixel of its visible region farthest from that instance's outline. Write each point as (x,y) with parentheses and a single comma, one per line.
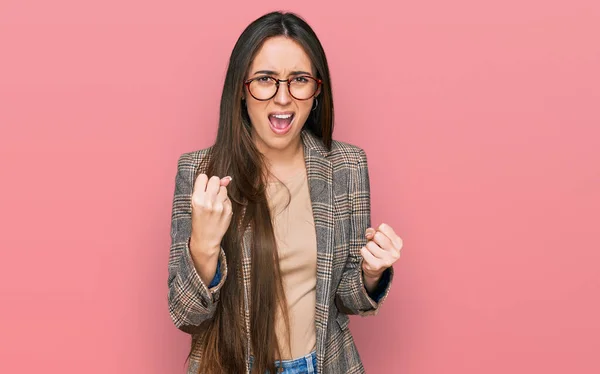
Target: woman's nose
(282,96)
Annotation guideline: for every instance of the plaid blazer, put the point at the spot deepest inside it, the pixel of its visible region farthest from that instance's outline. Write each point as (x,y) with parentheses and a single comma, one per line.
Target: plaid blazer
(340,193)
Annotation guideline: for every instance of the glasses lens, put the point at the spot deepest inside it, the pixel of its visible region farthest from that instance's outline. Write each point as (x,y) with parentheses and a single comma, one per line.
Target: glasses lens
(303,87)
(263,88)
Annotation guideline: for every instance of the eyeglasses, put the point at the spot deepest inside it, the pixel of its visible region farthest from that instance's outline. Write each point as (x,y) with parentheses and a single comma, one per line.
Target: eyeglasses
(265,88)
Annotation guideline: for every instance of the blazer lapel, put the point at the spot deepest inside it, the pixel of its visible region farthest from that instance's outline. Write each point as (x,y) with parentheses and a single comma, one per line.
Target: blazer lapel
(246,277)
(320,181)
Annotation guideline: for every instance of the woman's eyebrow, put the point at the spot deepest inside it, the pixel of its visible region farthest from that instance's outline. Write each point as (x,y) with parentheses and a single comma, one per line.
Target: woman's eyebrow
(271,72)
(268,72)
(300,72)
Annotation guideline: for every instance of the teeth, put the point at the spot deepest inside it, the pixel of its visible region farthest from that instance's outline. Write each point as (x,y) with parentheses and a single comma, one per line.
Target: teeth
(282,116)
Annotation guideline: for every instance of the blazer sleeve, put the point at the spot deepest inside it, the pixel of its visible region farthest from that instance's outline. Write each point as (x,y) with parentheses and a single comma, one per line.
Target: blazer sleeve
(191,302)
(352,296)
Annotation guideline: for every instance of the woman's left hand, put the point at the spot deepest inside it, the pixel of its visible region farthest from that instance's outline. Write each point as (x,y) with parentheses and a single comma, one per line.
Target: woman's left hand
(381,251)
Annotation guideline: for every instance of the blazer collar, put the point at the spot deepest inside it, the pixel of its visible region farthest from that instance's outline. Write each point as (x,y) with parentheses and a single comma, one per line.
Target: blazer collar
(313,144)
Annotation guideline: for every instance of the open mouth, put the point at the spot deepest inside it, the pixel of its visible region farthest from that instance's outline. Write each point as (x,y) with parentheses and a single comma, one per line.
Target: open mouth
(281,123)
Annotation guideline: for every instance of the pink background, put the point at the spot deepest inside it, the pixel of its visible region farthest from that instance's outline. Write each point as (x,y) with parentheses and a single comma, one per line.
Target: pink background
(481,123)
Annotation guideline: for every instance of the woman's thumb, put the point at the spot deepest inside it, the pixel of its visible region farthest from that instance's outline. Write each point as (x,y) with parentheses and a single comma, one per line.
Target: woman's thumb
(225,181)
(370,233)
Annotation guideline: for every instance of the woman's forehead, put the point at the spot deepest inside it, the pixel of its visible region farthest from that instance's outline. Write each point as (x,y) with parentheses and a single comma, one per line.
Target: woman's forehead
(281,55)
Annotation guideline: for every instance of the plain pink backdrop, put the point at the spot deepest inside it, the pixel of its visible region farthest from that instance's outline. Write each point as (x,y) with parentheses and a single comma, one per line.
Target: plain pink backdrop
(480,120)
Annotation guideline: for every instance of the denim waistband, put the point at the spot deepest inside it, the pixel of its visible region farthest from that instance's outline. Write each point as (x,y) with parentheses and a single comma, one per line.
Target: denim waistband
(301,365)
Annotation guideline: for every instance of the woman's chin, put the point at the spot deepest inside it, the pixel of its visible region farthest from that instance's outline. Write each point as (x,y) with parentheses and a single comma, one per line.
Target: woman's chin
(278,143)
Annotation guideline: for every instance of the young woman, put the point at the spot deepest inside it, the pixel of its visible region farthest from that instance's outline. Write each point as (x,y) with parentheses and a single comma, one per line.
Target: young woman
(271,245)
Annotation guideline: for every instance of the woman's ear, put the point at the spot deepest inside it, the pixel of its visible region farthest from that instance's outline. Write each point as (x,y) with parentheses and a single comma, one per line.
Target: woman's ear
(244,101)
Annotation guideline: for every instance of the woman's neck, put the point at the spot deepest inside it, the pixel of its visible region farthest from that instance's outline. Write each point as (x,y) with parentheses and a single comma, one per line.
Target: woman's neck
(283,164)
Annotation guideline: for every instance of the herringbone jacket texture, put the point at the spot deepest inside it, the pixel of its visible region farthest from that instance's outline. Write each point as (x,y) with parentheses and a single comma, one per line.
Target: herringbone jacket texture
(340,193)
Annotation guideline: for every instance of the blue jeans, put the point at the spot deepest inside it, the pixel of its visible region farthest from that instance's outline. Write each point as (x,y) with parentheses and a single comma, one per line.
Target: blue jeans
(301,365)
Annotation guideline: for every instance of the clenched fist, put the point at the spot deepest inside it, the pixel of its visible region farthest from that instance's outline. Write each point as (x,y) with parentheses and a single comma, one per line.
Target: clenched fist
(211,216)
(381,252)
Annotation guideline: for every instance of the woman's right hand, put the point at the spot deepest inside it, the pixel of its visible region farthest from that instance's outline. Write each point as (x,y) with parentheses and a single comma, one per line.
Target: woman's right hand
(211,216)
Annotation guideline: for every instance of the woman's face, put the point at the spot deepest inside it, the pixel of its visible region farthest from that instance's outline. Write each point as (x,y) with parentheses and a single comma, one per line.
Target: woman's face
(277,123)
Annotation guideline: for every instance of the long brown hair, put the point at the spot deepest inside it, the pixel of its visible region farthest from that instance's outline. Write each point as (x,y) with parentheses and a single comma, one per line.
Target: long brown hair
(234,153)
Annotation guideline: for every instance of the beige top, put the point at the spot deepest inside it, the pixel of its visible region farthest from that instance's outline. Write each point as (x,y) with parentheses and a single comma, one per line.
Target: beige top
(297,245)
